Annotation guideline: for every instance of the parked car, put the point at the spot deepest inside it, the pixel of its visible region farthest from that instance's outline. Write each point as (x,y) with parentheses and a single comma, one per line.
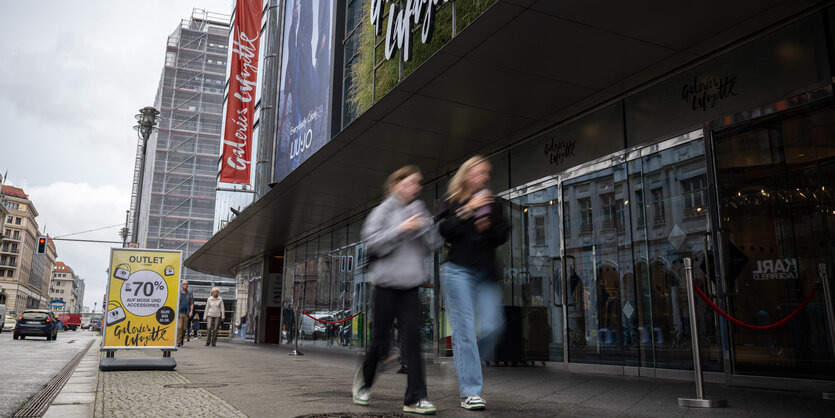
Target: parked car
(36,323)
(8,324)
(311,328)
(3,319)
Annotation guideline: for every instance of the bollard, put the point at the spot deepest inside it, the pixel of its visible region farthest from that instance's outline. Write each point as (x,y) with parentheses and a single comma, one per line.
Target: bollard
(830,315)
(699,401)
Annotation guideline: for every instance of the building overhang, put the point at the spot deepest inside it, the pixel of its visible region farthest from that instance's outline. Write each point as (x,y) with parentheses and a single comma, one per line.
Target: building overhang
(522,67)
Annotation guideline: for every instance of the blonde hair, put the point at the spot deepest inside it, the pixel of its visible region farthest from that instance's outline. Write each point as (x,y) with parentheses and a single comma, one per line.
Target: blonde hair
(399,175)
(456,191)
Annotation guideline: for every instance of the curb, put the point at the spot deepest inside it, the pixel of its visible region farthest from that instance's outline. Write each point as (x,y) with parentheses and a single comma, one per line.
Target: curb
(77,397)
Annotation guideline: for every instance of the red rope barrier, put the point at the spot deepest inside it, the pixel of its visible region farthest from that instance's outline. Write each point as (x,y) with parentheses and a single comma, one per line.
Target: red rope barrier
(759,327)
(332,322)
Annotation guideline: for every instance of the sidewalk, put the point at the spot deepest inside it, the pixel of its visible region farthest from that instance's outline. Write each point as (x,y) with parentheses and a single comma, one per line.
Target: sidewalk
(243,379)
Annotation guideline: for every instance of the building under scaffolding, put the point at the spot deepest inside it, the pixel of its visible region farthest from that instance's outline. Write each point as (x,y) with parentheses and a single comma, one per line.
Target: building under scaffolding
(177,203)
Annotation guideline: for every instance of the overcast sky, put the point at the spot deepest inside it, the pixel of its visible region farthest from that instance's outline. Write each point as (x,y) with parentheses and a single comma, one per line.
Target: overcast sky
(73,74)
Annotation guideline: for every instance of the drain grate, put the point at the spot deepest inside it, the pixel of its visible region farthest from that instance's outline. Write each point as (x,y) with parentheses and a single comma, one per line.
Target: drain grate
(38,405)
(194,385)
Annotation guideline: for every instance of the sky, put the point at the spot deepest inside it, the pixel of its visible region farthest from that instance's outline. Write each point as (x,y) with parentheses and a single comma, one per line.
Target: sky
(73,74)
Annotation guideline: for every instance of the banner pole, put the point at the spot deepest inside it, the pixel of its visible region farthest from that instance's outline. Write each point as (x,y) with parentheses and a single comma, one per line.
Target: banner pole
(823,273)
(699,401)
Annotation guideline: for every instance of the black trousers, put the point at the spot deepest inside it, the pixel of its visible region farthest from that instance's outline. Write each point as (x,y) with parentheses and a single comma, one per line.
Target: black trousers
(405,306)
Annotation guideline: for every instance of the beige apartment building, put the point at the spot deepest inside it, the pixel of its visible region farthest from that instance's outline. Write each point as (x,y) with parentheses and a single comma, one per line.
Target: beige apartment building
(63,286)
(24,275)
(3,213)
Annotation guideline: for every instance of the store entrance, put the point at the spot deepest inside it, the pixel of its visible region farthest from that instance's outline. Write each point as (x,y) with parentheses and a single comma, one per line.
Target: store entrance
(775,181)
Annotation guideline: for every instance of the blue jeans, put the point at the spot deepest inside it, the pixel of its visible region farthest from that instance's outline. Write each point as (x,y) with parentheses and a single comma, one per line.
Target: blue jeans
(473,302)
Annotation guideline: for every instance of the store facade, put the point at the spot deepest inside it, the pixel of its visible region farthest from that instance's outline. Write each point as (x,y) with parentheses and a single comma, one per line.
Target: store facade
(726,157)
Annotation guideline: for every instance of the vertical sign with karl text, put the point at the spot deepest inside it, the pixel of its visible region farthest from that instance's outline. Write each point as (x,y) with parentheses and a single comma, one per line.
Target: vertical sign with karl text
(141,299)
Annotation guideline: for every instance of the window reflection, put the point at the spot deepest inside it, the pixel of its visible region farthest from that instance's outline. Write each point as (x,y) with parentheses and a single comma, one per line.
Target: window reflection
(625,301)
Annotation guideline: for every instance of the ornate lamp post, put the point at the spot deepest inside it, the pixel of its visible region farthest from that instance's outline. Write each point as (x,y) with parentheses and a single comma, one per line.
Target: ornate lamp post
(146,124)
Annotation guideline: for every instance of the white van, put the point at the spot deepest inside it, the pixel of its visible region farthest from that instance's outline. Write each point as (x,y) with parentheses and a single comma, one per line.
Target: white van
(2,317)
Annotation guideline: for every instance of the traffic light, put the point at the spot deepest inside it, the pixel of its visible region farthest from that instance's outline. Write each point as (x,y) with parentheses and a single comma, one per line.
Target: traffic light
(41,245)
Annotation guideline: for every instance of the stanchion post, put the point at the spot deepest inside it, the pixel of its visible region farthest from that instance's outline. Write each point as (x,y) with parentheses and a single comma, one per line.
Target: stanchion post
(699,401)
(823,273)
(296,351)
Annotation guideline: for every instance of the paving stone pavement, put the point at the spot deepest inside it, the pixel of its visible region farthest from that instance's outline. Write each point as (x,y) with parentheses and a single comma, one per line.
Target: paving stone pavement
(243,379)
(92,393)
(144,394)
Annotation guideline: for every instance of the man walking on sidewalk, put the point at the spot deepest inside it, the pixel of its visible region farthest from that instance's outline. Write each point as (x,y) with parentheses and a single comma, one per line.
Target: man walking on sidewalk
(186,311)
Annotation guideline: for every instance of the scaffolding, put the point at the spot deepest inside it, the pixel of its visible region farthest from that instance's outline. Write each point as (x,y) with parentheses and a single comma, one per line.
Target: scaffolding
(178,196)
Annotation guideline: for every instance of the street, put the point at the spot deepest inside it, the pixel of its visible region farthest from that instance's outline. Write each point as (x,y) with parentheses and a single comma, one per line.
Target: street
(28,365)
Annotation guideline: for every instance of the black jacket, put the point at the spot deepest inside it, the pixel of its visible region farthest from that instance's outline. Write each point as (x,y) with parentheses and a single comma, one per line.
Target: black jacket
(469,247)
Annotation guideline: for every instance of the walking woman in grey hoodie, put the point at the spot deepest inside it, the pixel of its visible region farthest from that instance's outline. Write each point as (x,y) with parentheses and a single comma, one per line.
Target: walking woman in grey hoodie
(399,236)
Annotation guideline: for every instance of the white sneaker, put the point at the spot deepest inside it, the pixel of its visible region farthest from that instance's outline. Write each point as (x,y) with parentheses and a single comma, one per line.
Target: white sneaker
(422,407)
(361,394)
(473,403)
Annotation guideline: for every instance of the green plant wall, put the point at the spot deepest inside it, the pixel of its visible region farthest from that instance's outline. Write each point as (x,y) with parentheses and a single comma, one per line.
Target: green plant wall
(369,85)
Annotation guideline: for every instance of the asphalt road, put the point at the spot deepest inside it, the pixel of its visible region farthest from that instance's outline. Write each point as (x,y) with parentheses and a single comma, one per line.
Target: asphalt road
(26,366)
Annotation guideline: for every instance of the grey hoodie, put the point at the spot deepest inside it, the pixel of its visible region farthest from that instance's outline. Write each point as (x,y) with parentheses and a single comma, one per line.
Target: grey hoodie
(398,257)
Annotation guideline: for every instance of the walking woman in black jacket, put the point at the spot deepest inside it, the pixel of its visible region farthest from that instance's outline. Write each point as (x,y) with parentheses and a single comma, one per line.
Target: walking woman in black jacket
(473,223)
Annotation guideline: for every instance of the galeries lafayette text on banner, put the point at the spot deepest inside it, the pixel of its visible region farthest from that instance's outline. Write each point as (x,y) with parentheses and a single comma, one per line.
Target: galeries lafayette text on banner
(237,136)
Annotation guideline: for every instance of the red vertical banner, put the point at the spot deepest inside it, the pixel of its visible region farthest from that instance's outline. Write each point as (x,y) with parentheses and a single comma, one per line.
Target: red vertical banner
(236,159)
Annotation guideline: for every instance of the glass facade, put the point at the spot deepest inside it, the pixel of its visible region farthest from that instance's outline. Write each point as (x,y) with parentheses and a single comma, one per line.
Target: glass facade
(593,271)
(775,183)
(605,208)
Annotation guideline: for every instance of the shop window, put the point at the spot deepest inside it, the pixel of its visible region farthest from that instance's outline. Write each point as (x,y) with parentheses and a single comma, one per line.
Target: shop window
(539,230)
(607,205)
(640,209)
(692,191)
(659,213)
(586,220)
(566,215)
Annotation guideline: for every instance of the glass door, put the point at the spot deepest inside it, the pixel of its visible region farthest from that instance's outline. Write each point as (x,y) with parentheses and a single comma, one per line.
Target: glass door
(532,301)
(775,181)
(600,287)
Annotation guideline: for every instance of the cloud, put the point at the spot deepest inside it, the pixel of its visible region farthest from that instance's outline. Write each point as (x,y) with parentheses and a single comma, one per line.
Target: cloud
(66,208)
(73,75)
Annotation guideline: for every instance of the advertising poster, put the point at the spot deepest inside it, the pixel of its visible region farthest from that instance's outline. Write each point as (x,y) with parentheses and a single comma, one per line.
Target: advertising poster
(253,311)
(305,85)
(142,292)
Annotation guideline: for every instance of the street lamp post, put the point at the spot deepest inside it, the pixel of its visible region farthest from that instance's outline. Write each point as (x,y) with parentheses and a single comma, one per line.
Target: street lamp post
(146,119)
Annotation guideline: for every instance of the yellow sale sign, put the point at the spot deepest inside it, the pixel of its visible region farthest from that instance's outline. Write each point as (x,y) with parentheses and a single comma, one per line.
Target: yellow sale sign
(142,298)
